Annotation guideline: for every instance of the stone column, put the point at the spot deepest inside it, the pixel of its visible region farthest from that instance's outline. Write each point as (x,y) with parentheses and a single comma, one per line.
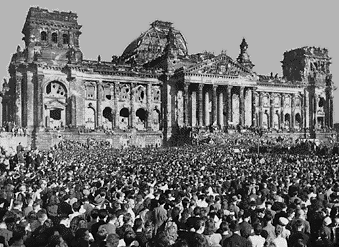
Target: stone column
(186,110)
(200,103)
(207,113)
(253,107)
(315,110)
(221,110)
(282,114)
(99,102)
(229,103)
(271,110)
(260,109)
(40,109)
(293,111)
(30,101)
(18,101)
(132,103)
(302,111)
(149,105)
(73,111)
(116,107)
(331,111)
(241,107)
(214,105)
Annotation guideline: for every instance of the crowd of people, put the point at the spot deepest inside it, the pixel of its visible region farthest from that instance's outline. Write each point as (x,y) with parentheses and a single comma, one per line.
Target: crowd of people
(88,194)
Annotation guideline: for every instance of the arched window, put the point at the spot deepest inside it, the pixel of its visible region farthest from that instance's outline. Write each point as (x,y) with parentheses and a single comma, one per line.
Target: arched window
(124,112)
(54,37)
(65,39)
(141,114)
(108,114)
(43,35)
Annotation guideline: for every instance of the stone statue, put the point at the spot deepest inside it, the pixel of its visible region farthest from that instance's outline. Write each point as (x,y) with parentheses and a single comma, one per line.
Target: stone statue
(99,58)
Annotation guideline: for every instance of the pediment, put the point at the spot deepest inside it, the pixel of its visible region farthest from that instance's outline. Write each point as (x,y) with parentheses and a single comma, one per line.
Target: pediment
(55,104)
(219,65)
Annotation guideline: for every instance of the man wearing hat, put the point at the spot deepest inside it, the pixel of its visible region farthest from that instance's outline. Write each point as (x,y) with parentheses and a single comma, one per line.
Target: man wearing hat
(283,222)
(236,239)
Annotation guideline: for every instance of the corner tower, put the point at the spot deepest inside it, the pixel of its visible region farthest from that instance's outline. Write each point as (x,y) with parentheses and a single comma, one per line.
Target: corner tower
(51,37)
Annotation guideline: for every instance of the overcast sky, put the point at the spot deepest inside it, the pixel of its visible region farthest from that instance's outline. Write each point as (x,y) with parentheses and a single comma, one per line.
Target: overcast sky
(270,27)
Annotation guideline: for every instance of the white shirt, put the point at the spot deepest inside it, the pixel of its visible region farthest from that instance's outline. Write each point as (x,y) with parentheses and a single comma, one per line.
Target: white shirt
(257,241)
(280,242)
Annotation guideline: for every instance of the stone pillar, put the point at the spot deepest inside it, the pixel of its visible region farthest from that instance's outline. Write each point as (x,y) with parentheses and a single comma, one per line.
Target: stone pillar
(207,112)
(214,105)
(293,111)
(73,111)
(282,114)
(40,102)
(221,110)
(149,105)
(229,103)
(200,103)
(30,101)
(331,111)
(260,109)
(116,107)
(253,107)
(186,110)
(132,103)
(241,106)
(302,112)
(18,101)
(315,110)
(271,124)
(99,102)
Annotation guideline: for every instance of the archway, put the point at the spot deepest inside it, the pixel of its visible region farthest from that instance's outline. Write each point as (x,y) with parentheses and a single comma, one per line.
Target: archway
(108,114)
(276,121)
(55,105)
(141,118)
(90,118)
(287,120)
(156,119)
(265,120)
(124,116)
(298,120)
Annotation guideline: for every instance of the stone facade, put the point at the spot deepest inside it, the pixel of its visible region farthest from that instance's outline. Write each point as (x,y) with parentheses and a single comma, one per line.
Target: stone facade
(156,87)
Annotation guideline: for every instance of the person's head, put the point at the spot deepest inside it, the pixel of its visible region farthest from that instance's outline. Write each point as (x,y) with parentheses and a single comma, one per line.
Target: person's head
(42,215)
(95,213)
(102,214)
(102,233)
(129,237)
(257,228)
(199,225)
(197,211)
(82,234)
(138,224)
(278,230)
(299,225)
(112,240)
(209,227)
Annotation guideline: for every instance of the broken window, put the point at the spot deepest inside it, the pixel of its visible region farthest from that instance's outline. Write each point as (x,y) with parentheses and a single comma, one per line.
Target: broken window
(55,114)
(65,39)
(54,37)
(141,114)
(108,114)
(43,36)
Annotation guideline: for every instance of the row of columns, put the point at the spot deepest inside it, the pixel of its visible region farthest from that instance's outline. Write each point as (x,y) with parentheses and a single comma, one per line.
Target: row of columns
(226,101)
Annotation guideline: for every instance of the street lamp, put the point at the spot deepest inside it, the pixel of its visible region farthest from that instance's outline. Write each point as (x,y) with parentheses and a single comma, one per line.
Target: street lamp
(5,88)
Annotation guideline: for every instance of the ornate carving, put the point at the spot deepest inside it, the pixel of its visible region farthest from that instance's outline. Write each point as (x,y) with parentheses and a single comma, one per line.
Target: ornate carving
(156,93)
(140,94)
(124,92)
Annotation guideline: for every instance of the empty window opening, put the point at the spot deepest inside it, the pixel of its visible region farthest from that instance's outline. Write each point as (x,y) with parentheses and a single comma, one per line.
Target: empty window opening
(55,114)
(108,114)
(54,38)
(124,112)
(43,36)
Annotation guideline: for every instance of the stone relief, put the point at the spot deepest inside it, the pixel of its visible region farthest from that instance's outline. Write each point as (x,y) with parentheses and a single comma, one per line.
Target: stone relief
(156,94)
(124,92)
(140,94)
